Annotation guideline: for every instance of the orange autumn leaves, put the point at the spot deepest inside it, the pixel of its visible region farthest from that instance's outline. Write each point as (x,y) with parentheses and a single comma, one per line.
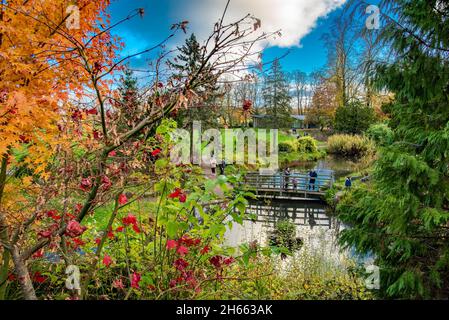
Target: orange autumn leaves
(42,65)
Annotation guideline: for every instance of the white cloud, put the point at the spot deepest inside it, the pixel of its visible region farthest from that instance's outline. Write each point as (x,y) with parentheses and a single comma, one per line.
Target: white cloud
(295,18)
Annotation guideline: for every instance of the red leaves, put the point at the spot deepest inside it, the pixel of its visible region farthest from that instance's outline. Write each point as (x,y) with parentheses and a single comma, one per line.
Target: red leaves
(112,154)
(180,264)
(175,194)
(107,261)
(48,232)
(77,115)
(86,184)
(171,244)
(156,152)
(118,284)
(122,199)
(38,254)
(53,214)
(106,183)
(74,229)
(182,25)
(135,279)
(178,193)
(182,250)
(97,135)
(38,277)
(205,250)
(220,261)
(189,242)
(97,67)
(182,198)
(92,111)
(78,242)
(131,220)
(247,105)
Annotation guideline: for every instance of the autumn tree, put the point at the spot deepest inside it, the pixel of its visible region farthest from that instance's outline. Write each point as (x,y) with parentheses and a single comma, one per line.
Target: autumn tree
(95,140)
(324,105)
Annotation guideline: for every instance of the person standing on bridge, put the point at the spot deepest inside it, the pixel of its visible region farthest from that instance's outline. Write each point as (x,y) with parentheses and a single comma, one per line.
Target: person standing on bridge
(295,183)
(213,165)
(313,175)
(222,167)
(286,177)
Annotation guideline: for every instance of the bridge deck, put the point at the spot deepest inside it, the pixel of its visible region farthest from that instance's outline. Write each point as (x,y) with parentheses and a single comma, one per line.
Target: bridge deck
(295,186)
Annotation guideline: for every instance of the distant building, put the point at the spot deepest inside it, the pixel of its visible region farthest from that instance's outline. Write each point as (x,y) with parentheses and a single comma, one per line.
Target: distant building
(263,121)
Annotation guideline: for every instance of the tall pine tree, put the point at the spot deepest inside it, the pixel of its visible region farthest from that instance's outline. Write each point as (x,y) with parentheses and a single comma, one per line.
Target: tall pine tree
(186,65)
(277,97)
(403,216)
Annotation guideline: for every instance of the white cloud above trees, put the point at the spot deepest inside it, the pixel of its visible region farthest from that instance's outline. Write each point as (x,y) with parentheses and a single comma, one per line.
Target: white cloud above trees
(294,18)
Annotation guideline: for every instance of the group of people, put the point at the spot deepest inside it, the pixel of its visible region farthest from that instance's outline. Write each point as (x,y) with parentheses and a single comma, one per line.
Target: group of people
(221,166)
(313,175)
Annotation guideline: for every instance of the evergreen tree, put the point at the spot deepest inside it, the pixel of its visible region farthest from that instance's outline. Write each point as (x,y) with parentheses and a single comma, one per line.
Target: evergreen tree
(129,100)
(403,216)
(277,97)
(186,65)
(354,118)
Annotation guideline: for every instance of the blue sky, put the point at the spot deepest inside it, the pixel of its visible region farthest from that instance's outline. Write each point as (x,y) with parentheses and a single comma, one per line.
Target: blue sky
(303,40)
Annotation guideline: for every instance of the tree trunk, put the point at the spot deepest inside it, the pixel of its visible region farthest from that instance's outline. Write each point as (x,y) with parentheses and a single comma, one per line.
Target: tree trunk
(4,237)
(23,275)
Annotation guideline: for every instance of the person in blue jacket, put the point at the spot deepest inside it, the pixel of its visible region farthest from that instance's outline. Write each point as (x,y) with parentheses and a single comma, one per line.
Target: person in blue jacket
(348,183)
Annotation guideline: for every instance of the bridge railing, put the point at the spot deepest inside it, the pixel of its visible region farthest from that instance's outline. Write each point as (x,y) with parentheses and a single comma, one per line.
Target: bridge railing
(295,182)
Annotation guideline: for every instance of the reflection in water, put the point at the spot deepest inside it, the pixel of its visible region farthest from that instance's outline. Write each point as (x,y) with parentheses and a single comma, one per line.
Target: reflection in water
(313,225)
(301,213)
(340,167)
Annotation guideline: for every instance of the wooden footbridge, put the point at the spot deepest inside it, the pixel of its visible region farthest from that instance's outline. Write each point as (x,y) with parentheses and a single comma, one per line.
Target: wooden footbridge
(296,186)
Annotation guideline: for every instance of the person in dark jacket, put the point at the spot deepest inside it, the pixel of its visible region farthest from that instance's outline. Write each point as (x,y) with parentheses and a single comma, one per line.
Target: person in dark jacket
(222,167)
(313,175)
(348,183)
(286,178)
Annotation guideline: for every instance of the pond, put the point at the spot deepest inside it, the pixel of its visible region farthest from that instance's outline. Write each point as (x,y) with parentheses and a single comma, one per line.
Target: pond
(315,224)
(316,228)
(341,167)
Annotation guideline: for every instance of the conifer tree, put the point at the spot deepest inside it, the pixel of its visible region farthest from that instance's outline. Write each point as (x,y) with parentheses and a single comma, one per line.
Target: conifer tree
(277,97)
(403,216)
(185,65)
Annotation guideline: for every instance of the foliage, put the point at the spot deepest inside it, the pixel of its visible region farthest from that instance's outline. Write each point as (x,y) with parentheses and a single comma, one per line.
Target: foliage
(350,146)
(98,143)
(287,146)
(277,98)
(186,64)
(354,118)
(307,145)
(324,105)
(284,236)
(381,134)
(403,217)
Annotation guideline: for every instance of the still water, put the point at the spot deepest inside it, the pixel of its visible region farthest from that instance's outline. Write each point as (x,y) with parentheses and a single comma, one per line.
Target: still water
(315,225)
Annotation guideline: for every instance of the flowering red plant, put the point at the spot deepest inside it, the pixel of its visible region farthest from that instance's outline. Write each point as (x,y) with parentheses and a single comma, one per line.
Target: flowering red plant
(122,199)
(86,184)
(107,261)
(74,229)
(135,280)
